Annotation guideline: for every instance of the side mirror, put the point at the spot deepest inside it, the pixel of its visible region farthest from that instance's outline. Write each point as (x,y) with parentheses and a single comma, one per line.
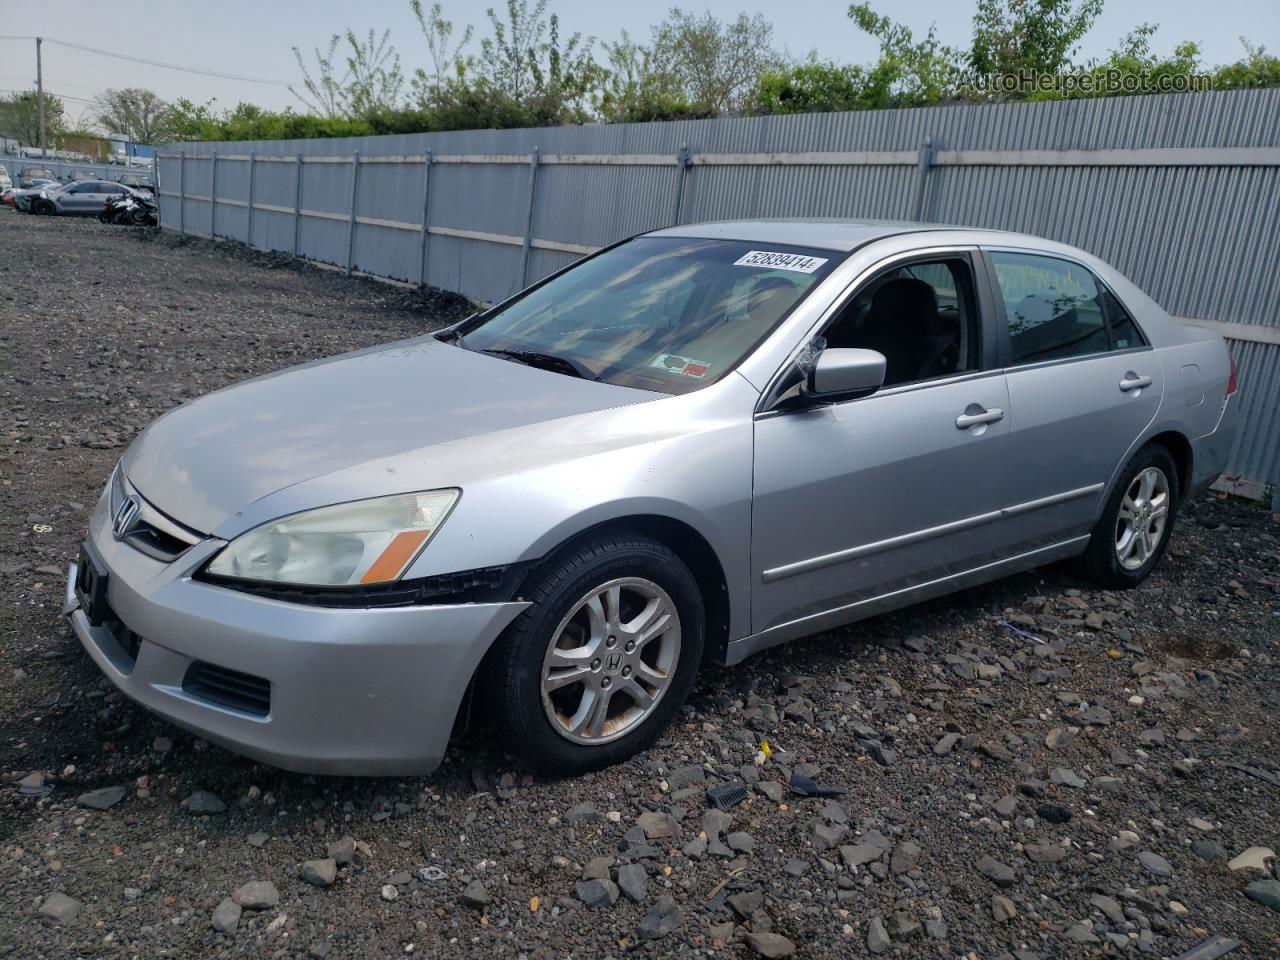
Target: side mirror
(841,373)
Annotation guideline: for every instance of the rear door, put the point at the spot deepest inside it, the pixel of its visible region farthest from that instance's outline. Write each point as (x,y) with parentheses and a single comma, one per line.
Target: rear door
(1083,385)
(864,497)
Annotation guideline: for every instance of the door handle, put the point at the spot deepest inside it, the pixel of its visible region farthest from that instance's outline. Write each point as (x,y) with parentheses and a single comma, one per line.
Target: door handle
(1132,381)
(976,415)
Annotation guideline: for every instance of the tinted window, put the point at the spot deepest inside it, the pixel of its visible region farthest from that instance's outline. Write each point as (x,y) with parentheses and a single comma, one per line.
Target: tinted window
(1053,307)
(1125,334)
(670,314)
(923,317)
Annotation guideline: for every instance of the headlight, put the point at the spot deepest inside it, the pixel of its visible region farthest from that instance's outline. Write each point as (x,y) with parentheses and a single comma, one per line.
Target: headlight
(365,542)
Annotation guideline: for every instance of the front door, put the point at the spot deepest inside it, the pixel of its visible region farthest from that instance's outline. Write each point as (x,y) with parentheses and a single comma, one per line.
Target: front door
(862,498)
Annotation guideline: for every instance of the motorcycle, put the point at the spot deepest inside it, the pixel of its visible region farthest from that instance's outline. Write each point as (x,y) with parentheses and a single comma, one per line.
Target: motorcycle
(136,209)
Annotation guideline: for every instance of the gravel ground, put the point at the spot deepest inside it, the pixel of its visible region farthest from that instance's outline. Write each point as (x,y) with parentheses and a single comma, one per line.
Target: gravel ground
(1033,769)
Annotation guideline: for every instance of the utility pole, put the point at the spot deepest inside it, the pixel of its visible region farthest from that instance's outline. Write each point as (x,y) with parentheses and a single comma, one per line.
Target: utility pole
(40,95)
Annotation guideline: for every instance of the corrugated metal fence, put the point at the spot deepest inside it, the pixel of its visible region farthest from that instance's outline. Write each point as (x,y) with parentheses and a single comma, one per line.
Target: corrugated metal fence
(1180,192)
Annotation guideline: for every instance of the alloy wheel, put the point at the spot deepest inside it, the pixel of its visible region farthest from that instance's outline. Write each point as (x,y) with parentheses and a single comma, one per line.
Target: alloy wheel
(611,660)
(1143,518)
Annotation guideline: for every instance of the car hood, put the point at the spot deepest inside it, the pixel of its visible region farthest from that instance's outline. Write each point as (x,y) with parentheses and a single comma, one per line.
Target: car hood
(210,459)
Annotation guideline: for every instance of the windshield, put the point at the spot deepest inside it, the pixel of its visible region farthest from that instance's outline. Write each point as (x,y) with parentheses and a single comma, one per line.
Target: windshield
(670,314)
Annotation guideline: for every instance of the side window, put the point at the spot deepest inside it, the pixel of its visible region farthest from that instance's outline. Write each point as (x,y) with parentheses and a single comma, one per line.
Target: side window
(922,316)
(1053,307)
(1125,334)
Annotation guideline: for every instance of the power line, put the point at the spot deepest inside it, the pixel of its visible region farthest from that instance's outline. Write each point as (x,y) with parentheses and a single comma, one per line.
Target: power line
(152,63)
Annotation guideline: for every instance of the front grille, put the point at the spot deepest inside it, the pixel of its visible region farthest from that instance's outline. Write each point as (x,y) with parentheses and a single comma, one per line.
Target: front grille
(152,532)
(228,688)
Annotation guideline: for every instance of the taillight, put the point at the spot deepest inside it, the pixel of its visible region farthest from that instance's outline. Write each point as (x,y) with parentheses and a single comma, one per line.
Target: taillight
(1233,382)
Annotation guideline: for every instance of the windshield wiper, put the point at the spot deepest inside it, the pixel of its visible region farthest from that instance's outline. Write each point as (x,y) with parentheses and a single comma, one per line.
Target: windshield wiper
(546,361)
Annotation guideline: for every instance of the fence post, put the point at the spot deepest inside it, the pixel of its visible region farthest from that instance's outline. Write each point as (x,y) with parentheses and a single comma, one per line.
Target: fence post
(213,198)
(253,167)
(297,203)
(351,218)
(528,222)
(924,161)
(682,165)
(182,193)
(426,218)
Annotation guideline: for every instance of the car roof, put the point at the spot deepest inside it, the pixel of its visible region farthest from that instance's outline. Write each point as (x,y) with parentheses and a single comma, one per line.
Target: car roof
(829,234)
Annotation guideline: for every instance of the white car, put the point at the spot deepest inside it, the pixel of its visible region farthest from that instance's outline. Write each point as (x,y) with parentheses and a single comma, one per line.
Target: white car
(6,181)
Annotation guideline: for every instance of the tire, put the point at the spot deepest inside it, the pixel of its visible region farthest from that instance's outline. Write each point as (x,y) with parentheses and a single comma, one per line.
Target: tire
(1103,561)
(43,208)
(648,576)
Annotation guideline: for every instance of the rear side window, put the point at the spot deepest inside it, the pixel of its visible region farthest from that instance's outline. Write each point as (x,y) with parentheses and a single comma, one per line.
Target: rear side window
(1056,309)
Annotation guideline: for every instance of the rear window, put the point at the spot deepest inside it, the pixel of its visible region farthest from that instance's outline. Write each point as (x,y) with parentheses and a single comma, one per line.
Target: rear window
(669,314)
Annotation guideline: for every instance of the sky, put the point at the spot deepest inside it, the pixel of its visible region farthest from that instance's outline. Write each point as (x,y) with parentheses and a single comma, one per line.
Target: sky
(254,39)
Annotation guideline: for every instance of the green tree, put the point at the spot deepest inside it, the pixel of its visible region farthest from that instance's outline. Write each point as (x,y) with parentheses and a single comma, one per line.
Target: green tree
(20,117)
(916,72)
(633,88)
(1028,37)
(717,64)
(137,113)
(816,87)
(1256,68)
(448,61)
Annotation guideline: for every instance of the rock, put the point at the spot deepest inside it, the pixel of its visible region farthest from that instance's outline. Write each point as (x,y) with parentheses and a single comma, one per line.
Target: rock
(827,835)
(474,895)
(1000,874)
(203,802)
(319,873)
(389,892)
(770,944)
(59,908)
(904,858)
(903,926)
(745,904)
(946,744)
(683,777)
(600,892)
(1058,737)
(1265,892)
(1053,813)
(1207,849)
(33,785)
(1006,805)
(257,895)
(1044,852)
(1064,777)
(342,852)
(1002,908)
(1081,932)
(258,839)
(581,813)
(103,799)
(633,881)
(877,936)
(1109,906)
(1155,863)
(658,826)
(161,744)
(663,918)
(226,916)
(1255,858)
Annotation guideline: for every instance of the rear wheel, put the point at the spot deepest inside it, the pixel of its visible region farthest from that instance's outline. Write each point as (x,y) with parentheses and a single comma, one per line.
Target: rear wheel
(599,664)
(43,207)
(1133,531)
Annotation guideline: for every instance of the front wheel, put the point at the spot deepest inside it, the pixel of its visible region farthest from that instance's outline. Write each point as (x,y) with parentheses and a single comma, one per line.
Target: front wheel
(599,664)
(1133,532)
(43,207)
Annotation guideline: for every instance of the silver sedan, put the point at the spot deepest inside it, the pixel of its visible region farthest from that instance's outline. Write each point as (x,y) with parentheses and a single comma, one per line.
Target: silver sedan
(690,446)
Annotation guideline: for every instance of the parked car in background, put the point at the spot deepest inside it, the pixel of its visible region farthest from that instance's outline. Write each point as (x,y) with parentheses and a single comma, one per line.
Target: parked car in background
(30,173)
(23,196)
(694,444)
(6,182)
(137,182)
(80,197)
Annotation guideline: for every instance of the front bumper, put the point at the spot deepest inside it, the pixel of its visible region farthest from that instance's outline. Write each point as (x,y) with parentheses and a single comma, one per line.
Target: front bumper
(352,691)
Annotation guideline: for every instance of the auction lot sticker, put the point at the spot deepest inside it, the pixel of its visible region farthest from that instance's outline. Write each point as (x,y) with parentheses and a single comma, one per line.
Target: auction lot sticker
(775,260)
